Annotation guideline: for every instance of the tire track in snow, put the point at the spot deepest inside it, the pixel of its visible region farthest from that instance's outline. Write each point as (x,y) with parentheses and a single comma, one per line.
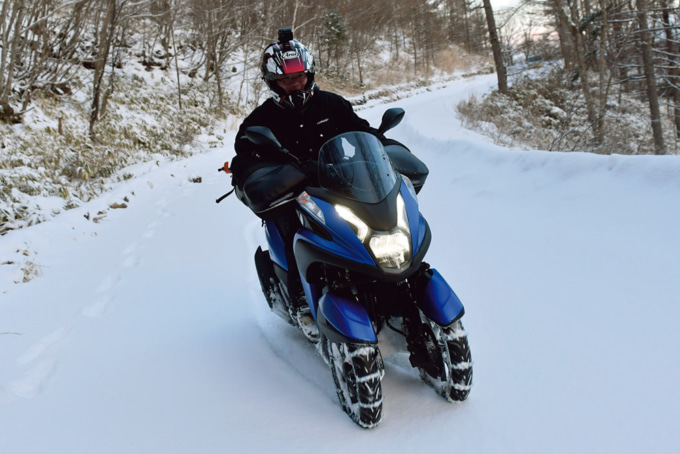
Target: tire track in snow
(286,341)
(39,364)
(33,380)
(300,355)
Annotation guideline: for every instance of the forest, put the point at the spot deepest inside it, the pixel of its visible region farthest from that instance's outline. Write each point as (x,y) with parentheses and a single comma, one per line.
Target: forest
(608,46)
(74,65)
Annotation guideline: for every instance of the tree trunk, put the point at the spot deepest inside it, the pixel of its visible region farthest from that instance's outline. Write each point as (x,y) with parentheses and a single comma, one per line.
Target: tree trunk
(583,73)
(501,71)
(361,77)
(602,69)
(105,38)
(650,78)
(10,54)
(673,50)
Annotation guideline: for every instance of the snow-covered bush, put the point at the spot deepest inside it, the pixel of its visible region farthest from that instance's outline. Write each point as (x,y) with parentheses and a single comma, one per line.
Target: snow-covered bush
(543,110)
(51,155)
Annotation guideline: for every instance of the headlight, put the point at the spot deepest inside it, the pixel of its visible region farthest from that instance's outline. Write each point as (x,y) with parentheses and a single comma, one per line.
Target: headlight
(392,249)
(359,226)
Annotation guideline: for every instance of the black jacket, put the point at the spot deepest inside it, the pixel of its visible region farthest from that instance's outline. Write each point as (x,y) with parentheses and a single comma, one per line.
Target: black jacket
(302,134)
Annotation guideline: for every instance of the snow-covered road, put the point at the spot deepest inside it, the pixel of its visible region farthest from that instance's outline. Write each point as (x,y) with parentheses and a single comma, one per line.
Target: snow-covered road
(146,332)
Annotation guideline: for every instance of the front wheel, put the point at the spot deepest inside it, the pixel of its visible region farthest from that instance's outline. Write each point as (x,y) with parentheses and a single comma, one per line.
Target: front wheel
(443,359)
(357,371)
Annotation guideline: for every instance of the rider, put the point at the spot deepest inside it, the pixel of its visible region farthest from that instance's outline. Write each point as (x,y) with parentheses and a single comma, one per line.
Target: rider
(303,118)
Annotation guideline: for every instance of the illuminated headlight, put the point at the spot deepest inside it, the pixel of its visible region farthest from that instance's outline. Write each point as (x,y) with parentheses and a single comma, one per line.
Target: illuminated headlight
(392,250)
(359,226)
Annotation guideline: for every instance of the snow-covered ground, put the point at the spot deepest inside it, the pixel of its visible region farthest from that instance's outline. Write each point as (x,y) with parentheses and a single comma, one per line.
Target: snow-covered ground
(145,332)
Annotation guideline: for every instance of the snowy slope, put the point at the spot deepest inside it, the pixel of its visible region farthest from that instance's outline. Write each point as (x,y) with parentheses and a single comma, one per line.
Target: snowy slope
(146,332)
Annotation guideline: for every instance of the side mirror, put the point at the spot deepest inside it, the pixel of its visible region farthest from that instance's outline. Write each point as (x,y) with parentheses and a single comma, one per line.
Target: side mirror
(391,118)
(261,135)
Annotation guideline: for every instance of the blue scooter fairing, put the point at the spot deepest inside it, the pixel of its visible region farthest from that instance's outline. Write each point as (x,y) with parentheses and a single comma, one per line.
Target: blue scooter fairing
(342,320)
(440,302)
(330,239)
(345,320)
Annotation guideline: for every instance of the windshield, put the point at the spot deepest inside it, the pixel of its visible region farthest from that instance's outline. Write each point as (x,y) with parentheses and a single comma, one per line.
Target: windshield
(356,166)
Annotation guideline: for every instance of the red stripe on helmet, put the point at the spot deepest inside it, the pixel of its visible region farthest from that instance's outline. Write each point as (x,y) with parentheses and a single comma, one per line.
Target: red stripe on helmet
(293,65)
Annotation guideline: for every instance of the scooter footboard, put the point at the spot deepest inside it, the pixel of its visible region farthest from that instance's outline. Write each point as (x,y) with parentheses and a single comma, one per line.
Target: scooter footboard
(344,320)
(439,302)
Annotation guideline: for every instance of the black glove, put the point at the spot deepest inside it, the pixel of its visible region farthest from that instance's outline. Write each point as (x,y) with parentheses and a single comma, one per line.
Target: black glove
(311,171)
(309,168)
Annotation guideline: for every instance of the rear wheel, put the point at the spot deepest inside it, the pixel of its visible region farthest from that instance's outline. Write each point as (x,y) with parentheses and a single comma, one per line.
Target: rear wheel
(357,371)
(271,287)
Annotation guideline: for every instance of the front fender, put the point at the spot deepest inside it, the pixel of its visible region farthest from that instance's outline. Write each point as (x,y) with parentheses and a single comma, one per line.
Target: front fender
(344,320)
(439,302)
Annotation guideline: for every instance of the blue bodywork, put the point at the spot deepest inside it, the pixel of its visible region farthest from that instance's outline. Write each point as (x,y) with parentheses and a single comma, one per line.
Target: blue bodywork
(344,318)
(276,248)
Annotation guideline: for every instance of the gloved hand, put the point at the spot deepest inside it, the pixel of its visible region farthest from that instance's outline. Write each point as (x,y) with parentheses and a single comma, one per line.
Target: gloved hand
(310,168)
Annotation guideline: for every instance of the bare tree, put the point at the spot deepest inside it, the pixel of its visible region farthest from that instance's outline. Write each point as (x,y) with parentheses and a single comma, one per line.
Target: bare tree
(108,15)
(582,69)
(366,25)
(216,24)
(501,70)
(672,59)
(650,77)
(13,14)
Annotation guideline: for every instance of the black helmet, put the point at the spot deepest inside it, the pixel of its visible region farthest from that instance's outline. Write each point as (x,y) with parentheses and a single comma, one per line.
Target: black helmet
(288,56)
